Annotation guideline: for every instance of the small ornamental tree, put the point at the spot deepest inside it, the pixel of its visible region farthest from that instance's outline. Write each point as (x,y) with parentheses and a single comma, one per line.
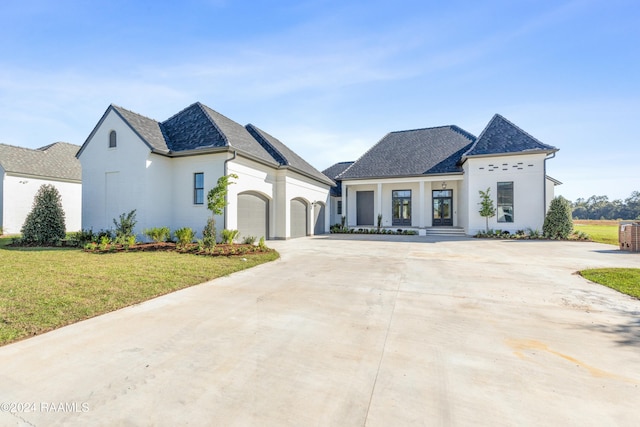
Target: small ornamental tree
(558,224)
(487,210)
(45,223)
(216,202)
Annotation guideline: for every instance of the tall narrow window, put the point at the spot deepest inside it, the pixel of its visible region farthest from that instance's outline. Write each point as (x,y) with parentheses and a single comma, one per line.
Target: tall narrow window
(505,201)
(198,188)
(401,205)
(112,139)
(339,207)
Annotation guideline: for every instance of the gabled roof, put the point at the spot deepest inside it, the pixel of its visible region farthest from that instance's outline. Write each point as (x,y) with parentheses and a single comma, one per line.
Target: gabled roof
(57,161)
(416,152)
(283,155)
(198,127)
(503,137)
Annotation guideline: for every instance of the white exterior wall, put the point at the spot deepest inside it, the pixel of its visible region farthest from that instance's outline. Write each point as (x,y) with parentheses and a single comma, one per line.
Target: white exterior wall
(551,188)
(17,194)
(313,193)
(254,177)
(184,213)
(527,174)
(118,180)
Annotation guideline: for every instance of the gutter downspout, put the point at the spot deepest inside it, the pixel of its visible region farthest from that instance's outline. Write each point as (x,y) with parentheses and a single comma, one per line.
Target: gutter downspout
(544,187)
(225,196)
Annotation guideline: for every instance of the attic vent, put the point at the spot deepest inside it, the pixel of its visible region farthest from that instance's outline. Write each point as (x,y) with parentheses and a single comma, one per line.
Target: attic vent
(481,168)
(530,166)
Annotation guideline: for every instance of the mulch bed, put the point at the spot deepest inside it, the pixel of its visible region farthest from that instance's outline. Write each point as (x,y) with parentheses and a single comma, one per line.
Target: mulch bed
(218,250)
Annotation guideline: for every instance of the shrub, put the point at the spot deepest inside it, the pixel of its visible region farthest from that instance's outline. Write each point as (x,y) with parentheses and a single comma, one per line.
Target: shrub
(228,236)
(80,238)
(45,222)
(533,234)
(104,242)
(185,236)
(125,225)
(158,234)
(558,223)
(249,240)
(261,244)
(209,233)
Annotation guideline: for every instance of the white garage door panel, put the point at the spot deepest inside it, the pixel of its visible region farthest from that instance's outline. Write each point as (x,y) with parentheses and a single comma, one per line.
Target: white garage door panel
(253,212)
(298,218)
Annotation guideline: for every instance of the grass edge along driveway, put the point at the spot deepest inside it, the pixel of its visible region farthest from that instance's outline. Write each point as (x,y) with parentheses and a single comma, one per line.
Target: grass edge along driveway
(42,289)
(624,280)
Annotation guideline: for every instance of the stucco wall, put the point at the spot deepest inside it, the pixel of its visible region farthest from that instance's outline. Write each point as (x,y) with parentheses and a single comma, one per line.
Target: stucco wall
(118,180)
(184,212)
(527,174)
(18,193)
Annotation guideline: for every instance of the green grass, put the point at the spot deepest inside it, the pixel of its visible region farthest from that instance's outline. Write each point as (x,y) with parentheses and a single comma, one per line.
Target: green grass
(625,280)
(45,288)
(600,233)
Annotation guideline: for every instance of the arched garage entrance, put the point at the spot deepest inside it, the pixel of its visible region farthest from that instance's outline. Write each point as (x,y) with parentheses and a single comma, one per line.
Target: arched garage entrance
(253,215)
(298,217)
(318,220)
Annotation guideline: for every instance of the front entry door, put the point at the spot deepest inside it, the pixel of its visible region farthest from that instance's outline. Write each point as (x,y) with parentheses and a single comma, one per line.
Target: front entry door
(443,207)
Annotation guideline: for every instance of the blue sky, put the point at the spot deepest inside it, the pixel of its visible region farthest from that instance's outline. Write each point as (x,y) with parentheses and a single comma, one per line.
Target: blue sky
(331,78)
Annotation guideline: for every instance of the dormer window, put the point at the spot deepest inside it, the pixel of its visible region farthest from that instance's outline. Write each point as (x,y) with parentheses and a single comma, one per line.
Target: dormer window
(112,139)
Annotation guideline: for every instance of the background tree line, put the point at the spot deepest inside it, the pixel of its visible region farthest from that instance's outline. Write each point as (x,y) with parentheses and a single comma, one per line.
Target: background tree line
(600,207)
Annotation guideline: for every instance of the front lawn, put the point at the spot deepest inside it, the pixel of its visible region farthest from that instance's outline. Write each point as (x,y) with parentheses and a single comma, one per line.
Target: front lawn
(599,231)
(45,288)
(625,280)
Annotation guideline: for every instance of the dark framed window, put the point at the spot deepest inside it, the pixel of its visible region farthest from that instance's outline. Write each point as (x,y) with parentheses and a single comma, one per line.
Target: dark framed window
(113,142)
(505,201)
(339,212)
(198,188)
(401,204)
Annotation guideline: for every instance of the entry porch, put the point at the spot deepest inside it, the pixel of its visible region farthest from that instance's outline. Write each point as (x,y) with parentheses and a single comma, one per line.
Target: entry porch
(419,202)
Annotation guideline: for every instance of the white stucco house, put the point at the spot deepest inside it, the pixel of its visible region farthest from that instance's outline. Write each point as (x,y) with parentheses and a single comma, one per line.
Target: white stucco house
(430,178)
(24,170)
(164,170)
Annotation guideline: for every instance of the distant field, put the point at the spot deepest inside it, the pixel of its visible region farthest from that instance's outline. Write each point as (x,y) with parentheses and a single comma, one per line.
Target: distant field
(602,231)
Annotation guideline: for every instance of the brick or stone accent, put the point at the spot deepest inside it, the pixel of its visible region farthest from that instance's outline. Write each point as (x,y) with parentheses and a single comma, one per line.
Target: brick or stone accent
(629,237)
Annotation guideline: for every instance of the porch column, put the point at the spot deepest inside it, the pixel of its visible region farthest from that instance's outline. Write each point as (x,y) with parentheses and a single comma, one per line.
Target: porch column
(421,205)
(378,209)
(344,205)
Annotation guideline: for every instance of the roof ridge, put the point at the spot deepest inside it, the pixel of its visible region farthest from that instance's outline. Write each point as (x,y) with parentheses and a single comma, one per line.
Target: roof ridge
(365,153)
(133,112)
(259,131)
(426,128)
(213,122)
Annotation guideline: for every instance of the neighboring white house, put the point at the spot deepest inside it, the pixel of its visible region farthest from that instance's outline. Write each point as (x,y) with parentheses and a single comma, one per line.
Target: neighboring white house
(23,171)
(431,177)
(164,170)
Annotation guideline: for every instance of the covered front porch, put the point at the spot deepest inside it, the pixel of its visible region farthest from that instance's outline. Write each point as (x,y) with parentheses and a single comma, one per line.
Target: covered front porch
(409,202)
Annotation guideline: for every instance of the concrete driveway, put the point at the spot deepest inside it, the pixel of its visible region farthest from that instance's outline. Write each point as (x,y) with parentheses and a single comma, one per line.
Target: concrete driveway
(352,331)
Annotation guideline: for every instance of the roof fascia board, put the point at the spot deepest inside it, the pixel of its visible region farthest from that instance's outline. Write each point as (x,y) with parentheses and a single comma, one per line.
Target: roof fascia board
(514,153)
(102,119)
(43,177)
(328,182)
(454,176)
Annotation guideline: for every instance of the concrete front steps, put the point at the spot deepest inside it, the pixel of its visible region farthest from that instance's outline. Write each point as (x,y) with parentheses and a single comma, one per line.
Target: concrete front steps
(445,231)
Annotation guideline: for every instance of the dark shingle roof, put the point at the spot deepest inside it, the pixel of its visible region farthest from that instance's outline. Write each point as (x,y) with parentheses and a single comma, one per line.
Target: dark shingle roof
(413,152)
(56,161)
(199,127)
(148,129)
(333,172)
(502,137)
(283,155)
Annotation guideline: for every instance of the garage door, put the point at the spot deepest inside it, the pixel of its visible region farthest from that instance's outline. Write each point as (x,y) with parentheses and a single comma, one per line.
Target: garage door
(253,215)
(318,227)
(298,218)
